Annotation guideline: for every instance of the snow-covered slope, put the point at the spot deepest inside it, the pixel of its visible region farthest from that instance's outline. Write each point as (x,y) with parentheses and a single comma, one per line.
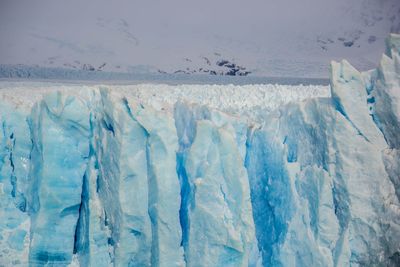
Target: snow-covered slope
(256,38)
(192,175)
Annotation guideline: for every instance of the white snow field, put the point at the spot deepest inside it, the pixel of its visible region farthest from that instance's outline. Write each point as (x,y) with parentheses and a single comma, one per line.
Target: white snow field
(203,175)
(238,100)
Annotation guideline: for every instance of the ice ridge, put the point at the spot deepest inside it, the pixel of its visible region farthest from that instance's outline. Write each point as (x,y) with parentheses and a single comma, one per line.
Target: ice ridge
(200,175)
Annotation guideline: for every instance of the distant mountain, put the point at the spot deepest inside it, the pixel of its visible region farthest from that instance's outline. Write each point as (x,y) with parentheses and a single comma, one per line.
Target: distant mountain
(261,38)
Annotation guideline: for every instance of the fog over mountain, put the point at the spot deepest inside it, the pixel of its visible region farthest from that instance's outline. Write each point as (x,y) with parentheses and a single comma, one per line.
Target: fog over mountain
(261,38)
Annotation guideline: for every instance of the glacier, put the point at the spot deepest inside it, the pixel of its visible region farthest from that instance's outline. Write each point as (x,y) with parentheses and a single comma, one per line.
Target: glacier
(203,175)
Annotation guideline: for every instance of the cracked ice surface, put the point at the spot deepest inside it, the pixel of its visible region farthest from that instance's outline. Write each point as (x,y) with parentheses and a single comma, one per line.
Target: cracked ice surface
(201,175)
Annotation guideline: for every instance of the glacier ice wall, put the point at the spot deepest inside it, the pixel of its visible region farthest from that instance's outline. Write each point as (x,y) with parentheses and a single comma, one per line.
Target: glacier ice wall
(150,175)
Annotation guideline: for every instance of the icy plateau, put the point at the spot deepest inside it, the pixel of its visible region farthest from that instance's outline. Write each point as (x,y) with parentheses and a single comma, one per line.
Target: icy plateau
(201,175)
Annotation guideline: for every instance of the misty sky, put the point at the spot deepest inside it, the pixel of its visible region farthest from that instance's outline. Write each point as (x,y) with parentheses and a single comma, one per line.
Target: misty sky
(271,37)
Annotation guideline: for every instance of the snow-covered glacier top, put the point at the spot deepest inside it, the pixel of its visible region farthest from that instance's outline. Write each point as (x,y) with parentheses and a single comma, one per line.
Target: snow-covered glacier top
(244,100)
(157,175)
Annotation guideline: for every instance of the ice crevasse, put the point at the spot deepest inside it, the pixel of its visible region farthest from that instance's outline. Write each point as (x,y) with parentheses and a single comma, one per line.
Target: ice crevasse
(154,175)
